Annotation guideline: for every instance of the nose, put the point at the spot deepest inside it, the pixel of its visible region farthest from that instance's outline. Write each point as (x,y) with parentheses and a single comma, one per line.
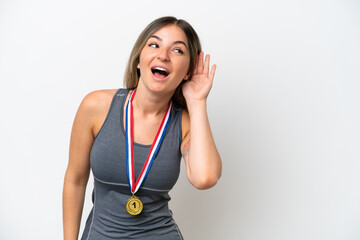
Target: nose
(163,55)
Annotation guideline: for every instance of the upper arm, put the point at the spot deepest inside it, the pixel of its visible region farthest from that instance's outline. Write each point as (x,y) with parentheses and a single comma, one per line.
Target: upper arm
(82,137)
(185,126)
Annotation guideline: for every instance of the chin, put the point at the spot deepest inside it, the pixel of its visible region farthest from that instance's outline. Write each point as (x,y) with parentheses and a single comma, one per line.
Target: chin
(160,87)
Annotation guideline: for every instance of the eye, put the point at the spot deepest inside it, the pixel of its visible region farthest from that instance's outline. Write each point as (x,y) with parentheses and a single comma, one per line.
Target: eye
(178,50)
(153,45)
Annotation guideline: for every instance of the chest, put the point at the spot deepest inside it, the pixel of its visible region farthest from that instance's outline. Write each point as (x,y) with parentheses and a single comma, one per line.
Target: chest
(108,161)
(145,130)
(108,154)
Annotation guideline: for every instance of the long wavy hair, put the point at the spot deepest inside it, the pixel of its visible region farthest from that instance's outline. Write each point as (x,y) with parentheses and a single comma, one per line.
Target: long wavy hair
(132,73)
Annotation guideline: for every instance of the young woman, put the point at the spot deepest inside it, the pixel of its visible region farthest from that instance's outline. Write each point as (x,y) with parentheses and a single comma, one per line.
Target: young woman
(133,139)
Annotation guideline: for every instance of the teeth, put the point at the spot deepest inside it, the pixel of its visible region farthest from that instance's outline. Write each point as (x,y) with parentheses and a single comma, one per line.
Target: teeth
(161,69)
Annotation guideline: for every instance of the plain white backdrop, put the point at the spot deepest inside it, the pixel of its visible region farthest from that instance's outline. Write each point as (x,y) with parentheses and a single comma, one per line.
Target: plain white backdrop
(284,111)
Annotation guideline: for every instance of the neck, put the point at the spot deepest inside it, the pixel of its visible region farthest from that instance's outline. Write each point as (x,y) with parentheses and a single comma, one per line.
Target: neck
(147,103)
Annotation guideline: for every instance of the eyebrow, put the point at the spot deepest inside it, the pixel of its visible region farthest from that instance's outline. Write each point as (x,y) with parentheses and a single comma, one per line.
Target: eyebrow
(176,42)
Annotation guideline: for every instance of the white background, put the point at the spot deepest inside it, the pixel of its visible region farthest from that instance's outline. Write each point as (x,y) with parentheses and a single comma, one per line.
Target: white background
(284,110)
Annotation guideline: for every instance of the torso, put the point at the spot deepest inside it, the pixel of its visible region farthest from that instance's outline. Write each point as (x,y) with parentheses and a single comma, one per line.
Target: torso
(108,218)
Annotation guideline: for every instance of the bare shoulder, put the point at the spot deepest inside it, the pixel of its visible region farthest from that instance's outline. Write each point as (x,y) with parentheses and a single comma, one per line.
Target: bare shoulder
(185,124)
(96,100)
(95,106)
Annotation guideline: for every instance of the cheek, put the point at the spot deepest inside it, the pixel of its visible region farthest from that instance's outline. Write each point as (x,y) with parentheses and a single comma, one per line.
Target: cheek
(144,54)
(185,66)
(142,60)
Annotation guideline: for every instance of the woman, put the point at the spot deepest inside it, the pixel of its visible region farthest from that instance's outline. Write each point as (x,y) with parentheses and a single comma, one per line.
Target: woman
(134,138)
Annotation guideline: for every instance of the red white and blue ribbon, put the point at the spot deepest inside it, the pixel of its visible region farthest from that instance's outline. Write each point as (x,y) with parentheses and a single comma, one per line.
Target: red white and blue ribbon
(129,122)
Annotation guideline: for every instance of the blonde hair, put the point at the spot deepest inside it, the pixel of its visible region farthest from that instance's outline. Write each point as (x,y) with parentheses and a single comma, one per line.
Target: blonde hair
(132,73)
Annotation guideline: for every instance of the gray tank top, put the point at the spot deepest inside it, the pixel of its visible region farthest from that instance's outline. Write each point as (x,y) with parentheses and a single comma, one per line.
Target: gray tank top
(108,218)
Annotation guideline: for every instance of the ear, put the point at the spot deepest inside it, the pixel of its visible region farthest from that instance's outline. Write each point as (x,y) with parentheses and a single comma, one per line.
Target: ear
(138,66)
(186,77)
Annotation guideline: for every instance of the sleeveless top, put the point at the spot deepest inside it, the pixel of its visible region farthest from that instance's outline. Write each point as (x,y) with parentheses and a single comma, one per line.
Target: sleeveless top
(108,218)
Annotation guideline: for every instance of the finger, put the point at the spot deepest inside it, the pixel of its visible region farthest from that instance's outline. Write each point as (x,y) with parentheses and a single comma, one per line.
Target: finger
(212,72)
(200,64)
(206,66)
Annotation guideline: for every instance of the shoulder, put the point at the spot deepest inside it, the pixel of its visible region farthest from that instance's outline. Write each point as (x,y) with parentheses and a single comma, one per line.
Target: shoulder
(97,100)
(95,105)
(185,123)
(98,96)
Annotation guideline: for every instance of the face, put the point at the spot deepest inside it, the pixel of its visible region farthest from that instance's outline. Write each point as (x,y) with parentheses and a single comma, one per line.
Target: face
(164,60)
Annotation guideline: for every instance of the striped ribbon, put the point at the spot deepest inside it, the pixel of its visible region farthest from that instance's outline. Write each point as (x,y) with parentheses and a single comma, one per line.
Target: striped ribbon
(129,121)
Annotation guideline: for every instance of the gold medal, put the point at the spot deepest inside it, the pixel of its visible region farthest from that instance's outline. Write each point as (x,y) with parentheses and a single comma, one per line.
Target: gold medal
(134,205)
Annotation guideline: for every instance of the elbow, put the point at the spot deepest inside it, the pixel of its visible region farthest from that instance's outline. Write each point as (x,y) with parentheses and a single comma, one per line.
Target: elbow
(205,183)
(205,178)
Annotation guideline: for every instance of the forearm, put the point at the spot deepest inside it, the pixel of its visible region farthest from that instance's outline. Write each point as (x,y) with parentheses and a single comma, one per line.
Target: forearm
(73,201)
(204,162)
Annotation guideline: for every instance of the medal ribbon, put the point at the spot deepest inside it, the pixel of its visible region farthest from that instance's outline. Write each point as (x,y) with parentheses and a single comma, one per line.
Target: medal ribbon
(134,186)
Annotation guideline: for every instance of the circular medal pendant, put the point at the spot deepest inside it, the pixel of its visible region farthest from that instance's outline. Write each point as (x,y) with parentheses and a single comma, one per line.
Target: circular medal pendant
(134,205)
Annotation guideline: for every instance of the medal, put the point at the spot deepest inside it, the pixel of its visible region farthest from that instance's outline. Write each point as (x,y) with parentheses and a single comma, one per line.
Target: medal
(134,205)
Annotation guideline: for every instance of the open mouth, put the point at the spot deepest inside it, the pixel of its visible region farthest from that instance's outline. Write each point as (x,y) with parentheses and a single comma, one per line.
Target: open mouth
(159,72)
